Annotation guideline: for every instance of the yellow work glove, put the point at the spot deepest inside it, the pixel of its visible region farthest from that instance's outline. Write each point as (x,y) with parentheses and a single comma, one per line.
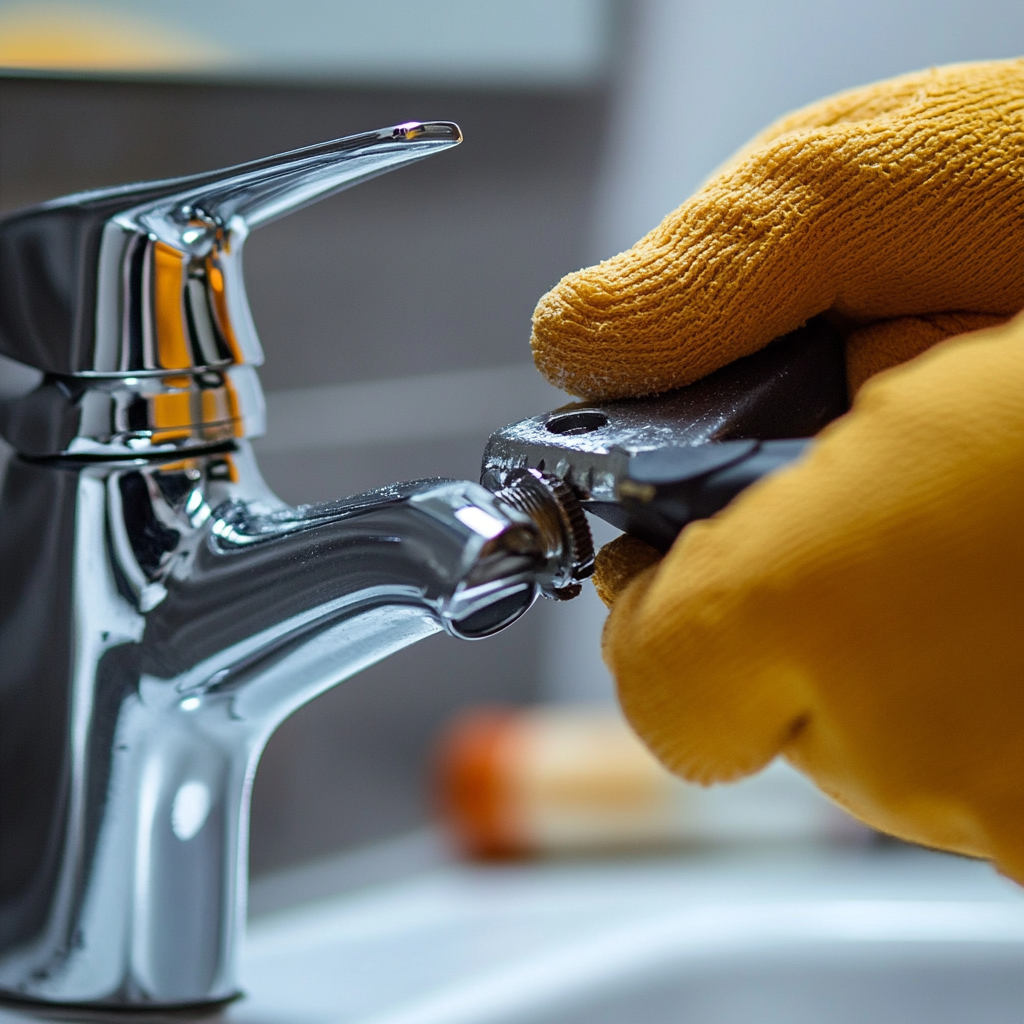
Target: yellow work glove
(862,612)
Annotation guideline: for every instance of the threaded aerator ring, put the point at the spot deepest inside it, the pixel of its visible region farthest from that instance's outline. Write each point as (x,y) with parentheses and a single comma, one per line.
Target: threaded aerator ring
(553,506)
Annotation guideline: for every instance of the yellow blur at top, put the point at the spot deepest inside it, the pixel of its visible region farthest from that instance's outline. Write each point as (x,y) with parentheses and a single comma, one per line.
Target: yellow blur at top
(862,612)
(84,37)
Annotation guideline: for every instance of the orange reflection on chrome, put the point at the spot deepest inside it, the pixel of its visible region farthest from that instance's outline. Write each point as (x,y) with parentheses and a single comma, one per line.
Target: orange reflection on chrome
(215,405)
(218,297)
(171,414)
(168,307)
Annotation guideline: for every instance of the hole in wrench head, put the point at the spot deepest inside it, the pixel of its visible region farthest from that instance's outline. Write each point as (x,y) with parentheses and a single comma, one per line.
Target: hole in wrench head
(584,422)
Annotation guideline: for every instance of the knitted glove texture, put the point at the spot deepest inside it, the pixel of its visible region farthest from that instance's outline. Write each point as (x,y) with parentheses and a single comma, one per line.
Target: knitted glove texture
(861,613)
(902,199)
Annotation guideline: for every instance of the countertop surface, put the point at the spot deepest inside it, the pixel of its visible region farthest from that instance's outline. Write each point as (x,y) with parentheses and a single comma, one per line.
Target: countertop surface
(444,942)
(463,943)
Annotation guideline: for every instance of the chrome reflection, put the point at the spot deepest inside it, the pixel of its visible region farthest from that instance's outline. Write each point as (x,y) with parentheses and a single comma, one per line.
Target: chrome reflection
(103,290)
(161,610)
(160,619)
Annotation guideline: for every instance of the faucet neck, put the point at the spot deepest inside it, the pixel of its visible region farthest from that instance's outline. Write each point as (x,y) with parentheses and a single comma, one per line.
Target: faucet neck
(159,620)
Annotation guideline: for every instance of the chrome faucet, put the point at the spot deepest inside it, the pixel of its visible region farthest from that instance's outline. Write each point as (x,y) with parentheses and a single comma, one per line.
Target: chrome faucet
(161,611)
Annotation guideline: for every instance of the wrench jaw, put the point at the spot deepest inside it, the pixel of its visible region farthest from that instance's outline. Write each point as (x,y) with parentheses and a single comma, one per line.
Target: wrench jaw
(650,465)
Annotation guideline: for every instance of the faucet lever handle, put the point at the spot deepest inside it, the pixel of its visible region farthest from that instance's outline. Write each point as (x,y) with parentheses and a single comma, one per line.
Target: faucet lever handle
(146,279)
(255,193)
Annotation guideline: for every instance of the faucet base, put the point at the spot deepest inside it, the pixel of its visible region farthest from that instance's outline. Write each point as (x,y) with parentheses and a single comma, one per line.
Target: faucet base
(91,1013)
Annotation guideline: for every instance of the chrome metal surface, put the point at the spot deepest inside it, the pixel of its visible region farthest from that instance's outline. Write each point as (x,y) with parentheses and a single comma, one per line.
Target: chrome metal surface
(132,299)
(162,611)
(159,619)
(554,508)
(117,416)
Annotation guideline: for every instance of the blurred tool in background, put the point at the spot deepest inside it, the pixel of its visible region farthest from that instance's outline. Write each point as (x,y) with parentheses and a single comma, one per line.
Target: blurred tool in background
(574,779)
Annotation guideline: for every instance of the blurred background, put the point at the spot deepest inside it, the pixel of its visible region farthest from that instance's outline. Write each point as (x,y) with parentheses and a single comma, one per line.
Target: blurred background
(401,309)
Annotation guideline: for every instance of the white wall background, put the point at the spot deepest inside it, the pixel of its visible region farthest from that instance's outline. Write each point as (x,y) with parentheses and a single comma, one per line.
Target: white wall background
(697,78)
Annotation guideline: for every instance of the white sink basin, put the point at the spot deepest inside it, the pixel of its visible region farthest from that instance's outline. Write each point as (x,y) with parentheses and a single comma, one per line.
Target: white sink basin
(857,936)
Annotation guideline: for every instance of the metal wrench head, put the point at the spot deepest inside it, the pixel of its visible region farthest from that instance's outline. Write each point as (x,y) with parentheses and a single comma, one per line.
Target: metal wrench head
(615,456)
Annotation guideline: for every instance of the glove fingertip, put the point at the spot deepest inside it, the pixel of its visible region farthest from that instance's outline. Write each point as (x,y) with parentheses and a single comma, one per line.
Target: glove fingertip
(619,563)
(569,339)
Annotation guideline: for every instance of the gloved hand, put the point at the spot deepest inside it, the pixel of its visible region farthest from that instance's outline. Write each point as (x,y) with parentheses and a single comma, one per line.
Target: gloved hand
(861,612)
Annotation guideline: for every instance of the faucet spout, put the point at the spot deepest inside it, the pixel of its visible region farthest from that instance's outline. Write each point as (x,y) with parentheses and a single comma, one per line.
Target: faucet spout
(265,580)
(198,612)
